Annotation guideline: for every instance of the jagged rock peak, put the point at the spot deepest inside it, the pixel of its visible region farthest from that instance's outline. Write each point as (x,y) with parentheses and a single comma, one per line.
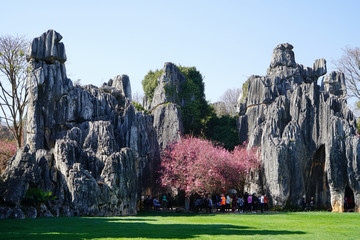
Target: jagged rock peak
(172,75)
(169,66)
(334,83)
(165,105)
(319,67)
(283,56)
(47,47)
(168,86)
(121,83)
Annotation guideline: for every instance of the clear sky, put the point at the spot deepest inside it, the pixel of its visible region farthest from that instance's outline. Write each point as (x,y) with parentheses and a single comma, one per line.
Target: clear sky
(227,41)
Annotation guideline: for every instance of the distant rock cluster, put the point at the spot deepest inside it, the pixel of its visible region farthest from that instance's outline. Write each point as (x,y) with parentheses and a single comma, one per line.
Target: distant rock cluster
(306,133)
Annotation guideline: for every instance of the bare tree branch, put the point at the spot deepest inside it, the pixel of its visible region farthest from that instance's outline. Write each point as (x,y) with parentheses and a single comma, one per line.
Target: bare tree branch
(349,64)
(13,95)
(230,98)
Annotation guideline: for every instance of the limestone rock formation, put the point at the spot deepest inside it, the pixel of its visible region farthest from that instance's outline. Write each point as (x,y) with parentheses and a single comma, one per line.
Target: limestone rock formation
(168,87)
(220,108)
(87,145)
(120,83)
(283,56)
(306,133)
(165,105)
(334,83)
(48,47)
(167,123)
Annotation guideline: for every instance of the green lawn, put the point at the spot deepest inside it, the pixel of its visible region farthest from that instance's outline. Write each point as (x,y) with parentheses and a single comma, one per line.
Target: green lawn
(309,225)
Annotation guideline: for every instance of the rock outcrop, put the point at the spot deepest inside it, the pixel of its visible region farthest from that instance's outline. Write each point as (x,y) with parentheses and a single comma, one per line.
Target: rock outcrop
(165,105)
(306,133)
(220,108)
(87,145)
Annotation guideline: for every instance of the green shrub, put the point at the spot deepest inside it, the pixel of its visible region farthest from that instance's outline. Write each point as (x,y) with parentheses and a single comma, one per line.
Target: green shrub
(245,88)
(139,107)
(223,130)
(149,83)
(36,196)
(170,90)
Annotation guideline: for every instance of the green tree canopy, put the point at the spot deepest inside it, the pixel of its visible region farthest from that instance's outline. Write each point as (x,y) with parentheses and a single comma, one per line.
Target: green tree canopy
(196,110)
(150,82)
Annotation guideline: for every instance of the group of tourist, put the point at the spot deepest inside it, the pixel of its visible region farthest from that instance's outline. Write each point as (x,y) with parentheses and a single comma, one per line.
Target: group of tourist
(233,203)
(307,206)
(230,202)
(223,203)
(154,203)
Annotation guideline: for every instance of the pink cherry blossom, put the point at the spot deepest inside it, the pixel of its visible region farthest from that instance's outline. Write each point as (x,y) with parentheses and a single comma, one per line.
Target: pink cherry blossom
(7,151)
(198,166)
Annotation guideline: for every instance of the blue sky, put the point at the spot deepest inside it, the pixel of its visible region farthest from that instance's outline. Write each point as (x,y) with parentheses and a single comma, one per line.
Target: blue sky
(227,41)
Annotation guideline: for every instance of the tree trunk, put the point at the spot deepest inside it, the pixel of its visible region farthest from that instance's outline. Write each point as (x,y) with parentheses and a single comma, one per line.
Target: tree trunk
(187,204)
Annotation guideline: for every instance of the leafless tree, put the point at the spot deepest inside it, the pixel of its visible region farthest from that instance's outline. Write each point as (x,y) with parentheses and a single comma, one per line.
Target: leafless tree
(349,64)
(230,98)
(13,95)
(138,97)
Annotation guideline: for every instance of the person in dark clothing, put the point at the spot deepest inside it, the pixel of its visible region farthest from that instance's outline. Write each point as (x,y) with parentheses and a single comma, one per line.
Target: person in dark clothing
(246,206)
(198,204)
(255,201)
(208,205)
(170,201)
(147,203)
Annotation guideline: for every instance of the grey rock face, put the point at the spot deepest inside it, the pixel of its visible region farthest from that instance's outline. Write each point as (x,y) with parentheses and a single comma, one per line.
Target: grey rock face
(48,47)
(86,145)
(319,67)
(21,169)
(122,185)
(31,212)
(17,213)
(165,105)
(120,83)
(169,85)
(283,56)
(167,123)
(220,108)
(306,133)
(5,212)
(353,168)
(334,83)
(44,212)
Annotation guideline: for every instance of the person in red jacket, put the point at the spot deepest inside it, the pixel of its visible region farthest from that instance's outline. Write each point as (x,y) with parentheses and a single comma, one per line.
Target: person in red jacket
(222,203)
(266,199)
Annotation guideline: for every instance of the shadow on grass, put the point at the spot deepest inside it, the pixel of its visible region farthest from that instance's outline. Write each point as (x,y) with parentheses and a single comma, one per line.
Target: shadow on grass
(171,214)
(192,214)
(93,228)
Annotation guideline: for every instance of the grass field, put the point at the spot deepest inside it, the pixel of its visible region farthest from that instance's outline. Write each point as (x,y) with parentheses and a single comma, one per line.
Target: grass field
(309,225)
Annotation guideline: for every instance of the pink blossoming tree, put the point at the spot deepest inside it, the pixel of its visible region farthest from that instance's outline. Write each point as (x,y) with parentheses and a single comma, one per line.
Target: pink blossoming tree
(198,166)
(7,151)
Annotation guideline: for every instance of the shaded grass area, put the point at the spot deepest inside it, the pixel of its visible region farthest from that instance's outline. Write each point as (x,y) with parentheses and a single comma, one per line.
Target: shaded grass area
(314,225)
